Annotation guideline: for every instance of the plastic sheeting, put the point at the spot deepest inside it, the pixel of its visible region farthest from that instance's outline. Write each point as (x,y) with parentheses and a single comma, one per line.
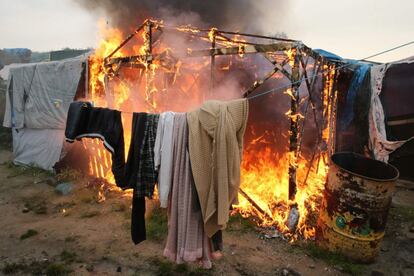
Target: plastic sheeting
(356,84)
(37,147)
(38,96)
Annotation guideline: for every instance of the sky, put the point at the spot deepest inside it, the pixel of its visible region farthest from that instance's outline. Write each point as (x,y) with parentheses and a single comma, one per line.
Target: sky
(351,29)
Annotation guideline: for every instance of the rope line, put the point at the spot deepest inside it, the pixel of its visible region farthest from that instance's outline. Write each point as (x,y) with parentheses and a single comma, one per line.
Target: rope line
(329,70)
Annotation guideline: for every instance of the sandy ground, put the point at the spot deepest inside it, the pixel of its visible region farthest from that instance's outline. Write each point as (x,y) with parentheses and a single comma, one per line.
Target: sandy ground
(45,233)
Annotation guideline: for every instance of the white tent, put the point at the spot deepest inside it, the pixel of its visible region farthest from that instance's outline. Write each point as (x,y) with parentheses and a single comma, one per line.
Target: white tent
(38,96)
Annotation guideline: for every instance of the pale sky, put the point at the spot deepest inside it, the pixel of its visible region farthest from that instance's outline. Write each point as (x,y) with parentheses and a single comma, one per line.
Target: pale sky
(352,28)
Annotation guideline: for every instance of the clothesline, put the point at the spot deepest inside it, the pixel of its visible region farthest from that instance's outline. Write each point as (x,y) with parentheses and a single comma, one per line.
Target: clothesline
(328,70)
(276,88)
(161,149)
(321,72)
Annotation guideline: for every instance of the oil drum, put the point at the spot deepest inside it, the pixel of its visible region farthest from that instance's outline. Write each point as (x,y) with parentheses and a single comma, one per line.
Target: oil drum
(354,209)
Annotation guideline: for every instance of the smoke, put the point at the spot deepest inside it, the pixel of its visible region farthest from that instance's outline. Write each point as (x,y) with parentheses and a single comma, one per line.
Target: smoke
(242,15)
(266,17)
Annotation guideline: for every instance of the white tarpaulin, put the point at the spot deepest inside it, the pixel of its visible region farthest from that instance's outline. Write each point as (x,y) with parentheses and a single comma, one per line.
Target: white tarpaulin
(37,147)
(38,96)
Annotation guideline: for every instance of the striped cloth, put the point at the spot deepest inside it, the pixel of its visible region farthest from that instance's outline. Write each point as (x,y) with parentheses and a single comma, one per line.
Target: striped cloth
(147,175)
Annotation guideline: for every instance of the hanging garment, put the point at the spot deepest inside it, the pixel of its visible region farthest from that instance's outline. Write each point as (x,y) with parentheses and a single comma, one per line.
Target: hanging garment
(140,172)
(134,154)
(380,147)
(106,124)
(163,155)
(146,175)
(215,144)
(186,241)
(138,229)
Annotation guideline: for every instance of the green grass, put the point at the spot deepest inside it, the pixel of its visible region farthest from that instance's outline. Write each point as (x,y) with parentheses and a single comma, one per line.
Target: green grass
(71,238)
(240,224)
(90,214)
(164,267)
(119,207)
(30,170)
(12,268)
(57,270)
(335,259)
(38,206)
(68,257)
(67,175)
(157,225)
(402,213)
(35,268)
(29,233)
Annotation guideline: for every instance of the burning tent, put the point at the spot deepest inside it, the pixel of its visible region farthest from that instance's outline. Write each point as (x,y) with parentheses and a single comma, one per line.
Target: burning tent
(178,67)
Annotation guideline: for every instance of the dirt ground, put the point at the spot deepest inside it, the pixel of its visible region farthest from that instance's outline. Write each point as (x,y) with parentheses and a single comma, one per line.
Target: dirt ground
(45,233)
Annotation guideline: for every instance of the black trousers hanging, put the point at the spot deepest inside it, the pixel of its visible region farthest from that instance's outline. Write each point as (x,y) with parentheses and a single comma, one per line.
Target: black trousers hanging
(138,230)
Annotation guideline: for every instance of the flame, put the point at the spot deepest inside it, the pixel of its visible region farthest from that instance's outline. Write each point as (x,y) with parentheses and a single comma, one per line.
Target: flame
(264,172)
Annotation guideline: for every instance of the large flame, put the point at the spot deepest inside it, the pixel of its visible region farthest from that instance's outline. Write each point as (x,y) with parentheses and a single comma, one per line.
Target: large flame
(264,172)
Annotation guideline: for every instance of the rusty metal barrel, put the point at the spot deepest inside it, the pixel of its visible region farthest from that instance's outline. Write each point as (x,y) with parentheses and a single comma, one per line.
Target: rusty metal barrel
(354,210)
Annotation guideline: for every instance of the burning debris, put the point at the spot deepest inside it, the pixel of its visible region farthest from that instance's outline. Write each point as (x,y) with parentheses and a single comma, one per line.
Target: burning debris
(165,70)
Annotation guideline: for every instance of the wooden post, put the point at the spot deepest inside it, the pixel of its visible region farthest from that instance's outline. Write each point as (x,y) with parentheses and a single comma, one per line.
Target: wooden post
(148,63)
(212,36)
(293,140)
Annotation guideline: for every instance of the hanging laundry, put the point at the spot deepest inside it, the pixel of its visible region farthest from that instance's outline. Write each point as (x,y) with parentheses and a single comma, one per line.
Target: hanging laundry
(138,229)
(134,154)
(163,155)
(140,171)
(215,144)
(147,176)
(186,241)
(106,124)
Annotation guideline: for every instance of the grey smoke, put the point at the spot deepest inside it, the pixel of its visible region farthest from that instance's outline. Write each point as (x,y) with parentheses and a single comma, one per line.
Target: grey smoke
(242,15)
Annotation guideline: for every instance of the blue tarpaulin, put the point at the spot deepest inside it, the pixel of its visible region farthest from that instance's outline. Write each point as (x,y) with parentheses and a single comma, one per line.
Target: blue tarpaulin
(356,82)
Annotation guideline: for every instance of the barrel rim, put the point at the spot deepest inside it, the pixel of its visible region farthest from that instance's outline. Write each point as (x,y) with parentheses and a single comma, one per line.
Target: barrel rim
(363,176)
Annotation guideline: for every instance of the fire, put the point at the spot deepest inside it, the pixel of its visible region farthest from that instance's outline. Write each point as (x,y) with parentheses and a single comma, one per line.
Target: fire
(264,172)
(266,181)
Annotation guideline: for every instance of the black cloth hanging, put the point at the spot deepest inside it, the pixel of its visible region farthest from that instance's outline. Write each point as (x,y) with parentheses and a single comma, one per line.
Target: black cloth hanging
(106,124)
(140,171)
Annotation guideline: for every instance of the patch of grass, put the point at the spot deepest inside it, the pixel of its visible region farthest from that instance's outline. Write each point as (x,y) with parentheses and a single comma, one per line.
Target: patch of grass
(68,257)
(238,223)
(119,207)
(71,238)
(56,269)
(157,225)
(36,268)
(164,267)
(12,268)
(31,170)
(335,259)
(87,197)
(402,213)
(67,175)
(90,214)
(29,233)
(38,207)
